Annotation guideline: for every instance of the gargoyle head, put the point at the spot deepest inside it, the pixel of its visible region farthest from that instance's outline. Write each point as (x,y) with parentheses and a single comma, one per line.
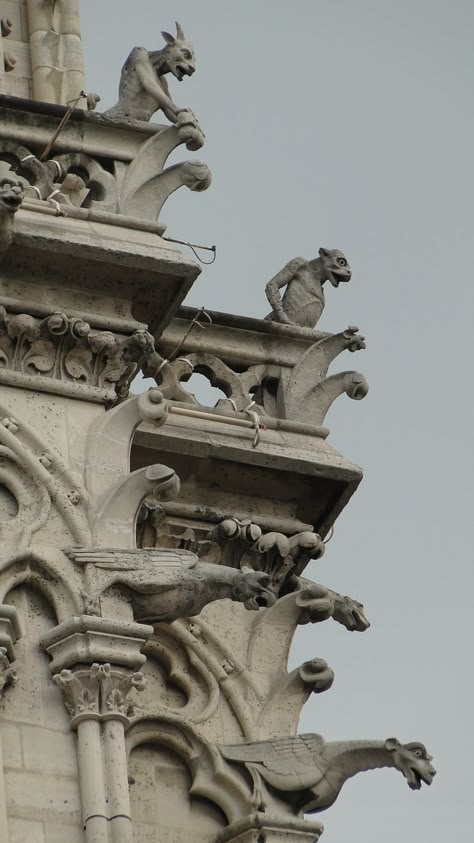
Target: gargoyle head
(335,266)
(11,196)
(252,588)
(179,54)
(413,760)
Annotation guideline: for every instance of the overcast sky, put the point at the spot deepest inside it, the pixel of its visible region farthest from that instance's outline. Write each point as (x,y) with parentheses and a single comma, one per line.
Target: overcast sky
(349,124)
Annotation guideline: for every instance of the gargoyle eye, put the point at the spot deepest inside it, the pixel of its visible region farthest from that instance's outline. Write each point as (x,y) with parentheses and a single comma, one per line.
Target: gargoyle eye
(186,54)
(342,262)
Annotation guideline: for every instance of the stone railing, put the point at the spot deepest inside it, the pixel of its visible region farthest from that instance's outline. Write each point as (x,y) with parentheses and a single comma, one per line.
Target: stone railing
(279,372)
(90,166)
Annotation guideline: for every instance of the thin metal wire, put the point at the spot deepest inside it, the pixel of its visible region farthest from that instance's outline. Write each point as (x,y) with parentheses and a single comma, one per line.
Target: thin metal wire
(193,247)
(70,108)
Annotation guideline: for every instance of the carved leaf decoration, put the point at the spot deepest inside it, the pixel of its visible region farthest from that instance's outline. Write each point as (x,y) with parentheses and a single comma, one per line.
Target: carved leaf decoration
(86,701)
(6,351)
(41,356)
(115,701)
(78,364)
(113,369)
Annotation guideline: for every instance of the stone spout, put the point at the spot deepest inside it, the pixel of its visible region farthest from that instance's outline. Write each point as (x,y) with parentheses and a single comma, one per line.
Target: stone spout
(309,773)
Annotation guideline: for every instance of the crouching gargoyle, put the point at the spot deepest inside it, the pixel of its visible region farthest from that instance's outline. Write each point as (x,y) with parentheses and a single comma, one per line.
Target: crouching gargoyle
(11,197)
(303,300)
(309,773)
(163,584)
(143,88)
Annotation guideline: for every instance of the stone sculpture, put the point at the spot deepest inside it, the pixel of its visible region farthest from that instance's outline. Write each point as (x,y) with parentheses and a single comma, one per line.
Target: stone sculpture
(163,585)
(143,88)
(310,772)
(303,300)
(11,197)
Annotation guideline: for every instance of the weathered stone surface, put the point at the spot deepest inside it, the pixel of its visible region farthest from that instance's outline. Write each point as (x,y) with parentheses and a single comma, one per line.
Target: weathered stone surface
(116,508)
(311,772)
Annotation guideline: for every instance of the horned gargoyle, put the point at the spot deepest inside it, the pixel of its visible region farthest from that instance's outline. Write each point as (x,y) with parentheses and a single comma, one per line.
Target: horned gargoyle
(309,773)
(163,584)
(11,197)
(143,88)
(303,300)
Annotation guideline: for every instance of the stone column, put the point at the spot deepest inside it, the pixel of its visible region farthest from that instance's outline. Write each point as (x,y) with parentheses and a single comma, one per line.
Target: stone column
(56,50)
(9,632)
(95,664)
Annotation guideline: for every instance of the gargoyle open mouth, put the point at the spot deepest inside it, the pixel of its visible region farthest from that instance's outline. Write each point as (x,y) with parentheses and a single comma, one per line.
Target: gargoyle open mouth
(416,778)
(11,200)
(339,277)
(181,71)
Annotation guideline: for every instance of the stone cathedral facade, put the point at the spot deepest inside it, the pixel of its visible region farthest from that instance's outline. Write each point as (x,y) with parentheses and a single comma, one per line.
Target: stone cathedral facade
(153,549)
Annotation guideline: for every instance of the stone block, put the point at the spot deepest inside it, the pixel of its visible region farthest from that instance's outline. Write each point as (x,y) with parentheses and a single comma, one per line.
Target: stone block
(24,831)
(11,745)
(12,11)
(49,752)
(63,833)
(42,797)
(21,51)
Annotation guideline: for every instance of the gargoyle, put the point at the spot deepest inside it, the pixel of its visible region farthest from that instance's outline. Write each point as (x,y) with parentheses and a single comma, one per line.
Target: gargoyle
(11,197)
(163,585)
(310,773)
(303,299)
(143,88)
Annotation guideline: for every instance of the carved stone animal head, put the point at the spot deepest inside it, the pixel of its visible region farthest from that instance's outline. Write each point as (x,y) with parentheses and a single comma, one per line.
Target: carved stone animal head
(335,266)
(11,196)
(179,53)
(413,760)
(253,590)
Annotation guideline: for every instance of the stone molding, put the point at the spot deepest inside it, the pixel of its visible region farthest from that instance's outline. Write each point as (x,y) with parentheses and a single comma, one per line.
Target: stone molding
(10,631)
(88,639)
(260,825)
(69,355)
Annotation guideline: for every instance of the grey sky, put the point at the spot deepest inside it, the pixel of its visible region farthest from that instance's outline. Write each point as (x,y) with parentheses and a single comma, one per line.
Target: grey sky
(349,124)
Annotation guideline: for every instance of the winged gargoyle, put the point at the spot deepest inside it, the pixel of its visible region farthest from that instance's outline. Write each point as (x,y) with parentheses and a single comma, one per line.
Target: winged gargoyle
(164,584)
(309,773)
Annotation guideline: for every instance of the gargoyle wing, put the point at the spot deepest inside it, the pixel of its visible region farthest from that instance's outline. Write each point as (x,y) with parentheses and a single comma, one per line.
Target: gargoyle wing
(292,763)
(134,559)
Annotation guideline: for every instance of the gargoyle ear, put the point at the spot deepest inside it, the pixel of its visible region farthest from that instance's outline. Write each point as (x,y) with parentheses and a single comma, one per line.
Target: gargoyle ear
(391,744)
(179,32)
(170,39)
(323,253)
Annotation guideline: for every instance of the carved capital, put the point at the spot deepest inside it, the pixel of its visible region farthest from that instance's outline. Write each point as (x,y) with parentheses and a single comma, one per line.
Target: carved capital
(99,692)
(8,675)
(67,349)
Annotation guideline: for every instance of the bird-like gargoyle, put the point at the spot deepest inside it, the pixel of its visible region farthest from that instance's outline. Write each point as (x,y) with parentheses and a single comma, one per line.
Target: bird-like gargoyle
(303,300)
(309,773)
(164,584)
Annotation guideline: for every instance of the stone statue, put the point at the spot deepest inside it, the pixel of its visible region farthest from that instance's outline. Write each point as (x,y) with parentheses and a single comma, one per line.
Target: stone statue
(310,773)
(11,197)
(143,88)
(303,300)
(164,584)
